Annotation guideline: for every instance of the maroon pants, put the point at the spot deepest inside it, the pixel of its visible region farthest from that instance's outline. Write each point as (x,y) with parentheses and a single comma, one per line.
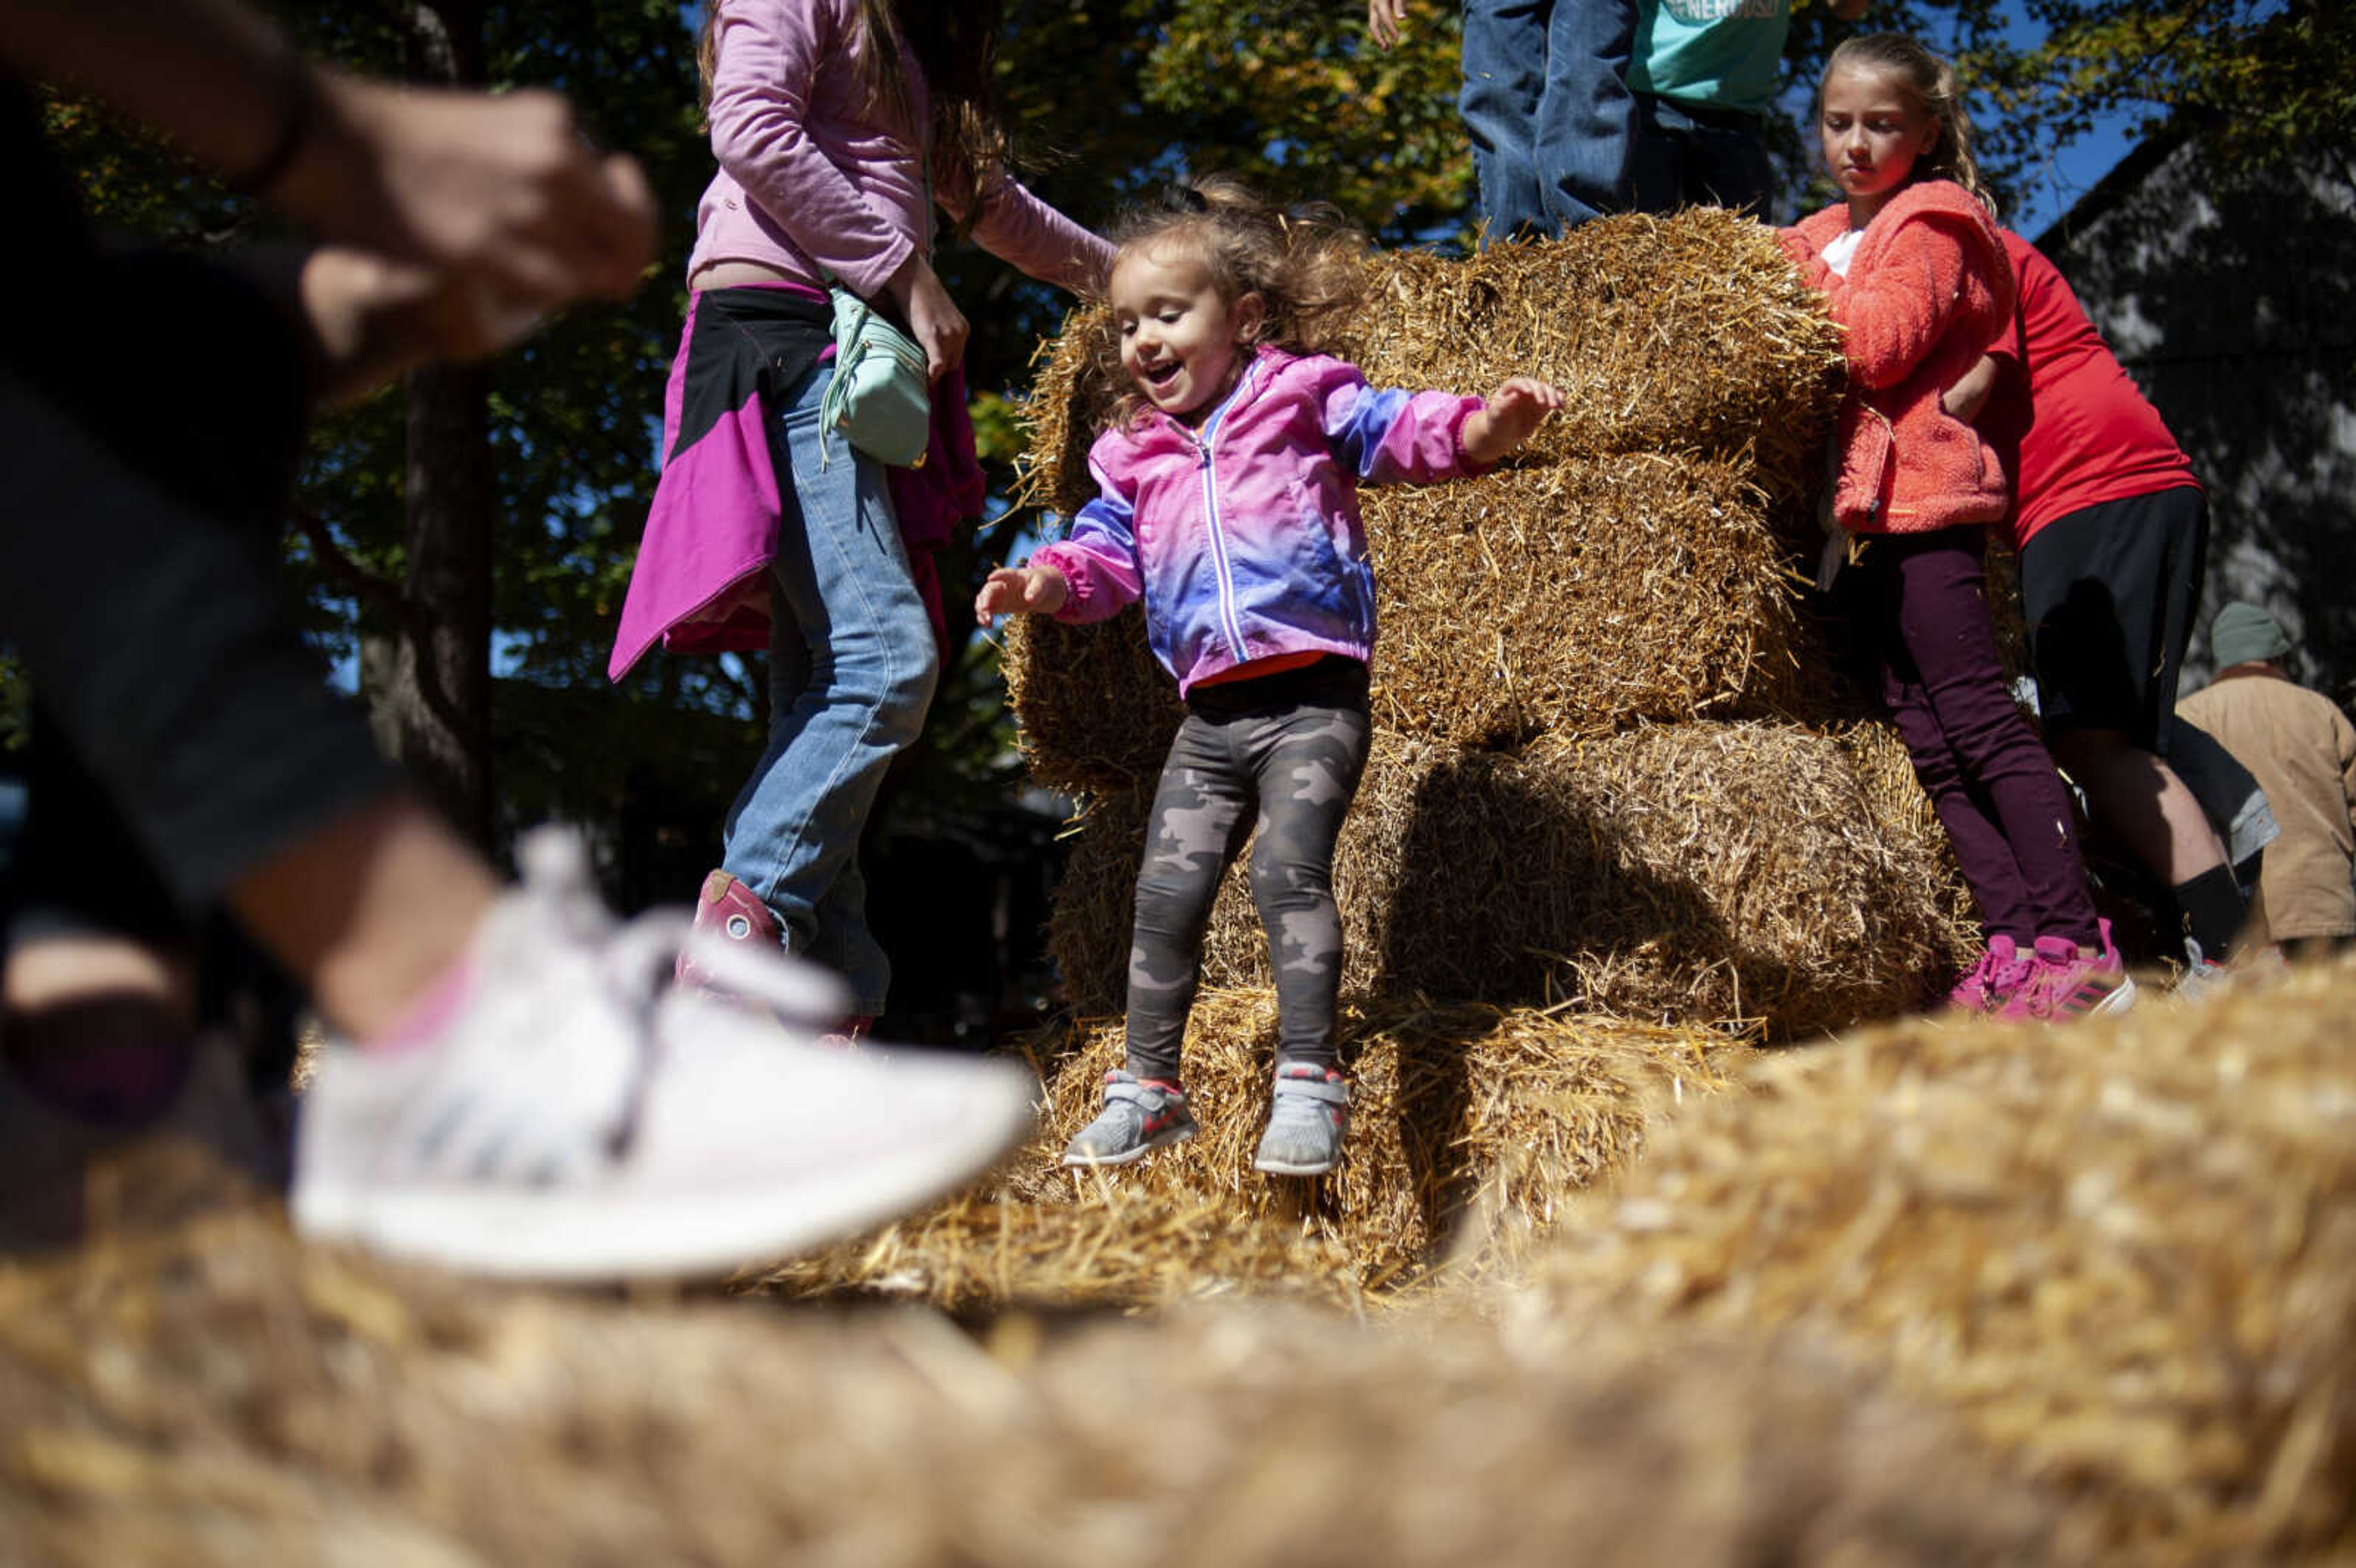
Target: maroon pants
(1919,603)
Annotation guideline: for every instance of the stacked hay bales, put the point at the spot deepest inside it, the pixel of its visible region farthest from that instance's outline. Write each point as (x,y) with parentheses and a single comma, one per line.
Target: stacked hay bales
(1612,769)
(2123,1253)
(1462,1109)
(1615,810)
(232,1398)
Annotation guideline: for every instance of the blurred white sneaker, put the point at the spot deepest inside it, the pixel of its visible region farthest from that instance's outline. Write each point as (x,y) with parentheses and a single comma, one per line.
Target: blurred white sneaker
(580,1118)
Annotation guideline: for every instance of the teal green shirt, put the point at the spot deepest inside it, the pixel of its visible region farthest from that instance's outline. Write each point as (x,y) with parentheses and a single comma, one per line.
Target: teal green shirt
(1721,54)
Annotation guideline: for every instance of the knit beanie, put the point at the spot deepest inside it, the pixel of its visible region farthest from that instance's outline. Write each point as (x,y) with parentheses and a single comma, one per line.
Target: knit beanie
(2243,632)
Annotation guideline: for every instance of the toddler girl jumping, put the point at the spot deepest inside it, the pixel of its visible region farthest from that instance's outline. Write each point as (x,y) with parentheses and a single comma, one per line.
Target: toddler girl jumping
(1912,265)
(1228,501)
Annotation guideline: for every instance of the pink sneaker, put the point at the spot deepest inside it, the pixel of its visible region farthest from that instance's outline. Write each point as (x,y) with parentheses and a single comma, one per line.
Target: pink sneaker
(2069,981)
(1991,982)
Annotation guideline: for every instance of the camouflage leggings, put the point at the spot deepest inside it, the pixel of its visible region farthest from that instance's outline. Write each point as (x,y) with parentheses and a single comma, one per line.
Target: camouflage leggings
(1293,745)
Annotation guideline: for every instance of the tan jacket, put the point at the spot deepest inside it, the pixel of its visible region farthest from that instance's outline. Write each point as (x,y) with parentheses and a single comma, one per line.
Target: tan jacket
(2303,751)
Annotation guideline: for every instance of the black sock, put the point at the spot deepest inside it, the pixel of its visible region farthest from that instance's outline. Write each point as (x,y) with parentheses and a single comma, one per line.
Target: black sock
(2213,906)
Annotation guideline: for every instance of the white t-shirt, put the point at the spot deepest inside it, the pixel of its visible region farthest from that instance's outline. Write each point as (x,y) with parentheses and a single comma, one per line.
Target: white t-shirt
(1838,253)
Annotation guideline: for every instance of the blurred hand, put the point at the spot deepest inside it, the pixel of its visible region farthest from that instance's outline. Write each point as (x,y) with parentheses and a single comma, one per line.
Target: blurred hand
(1516,410)
(1021,591)
(934,319)
(502,196)
(1385,19)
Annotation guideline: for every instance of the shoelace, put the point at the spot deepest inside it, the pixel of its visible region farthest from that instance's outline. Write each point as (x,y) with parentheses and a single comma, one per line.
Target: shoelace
(2003,978)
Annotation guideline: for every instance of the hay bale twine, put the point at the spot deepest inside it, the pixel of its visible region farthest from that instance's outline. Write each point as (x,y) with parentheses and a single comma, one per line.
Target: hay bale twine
(1690,873)
(2124,1252)
(1456,1110)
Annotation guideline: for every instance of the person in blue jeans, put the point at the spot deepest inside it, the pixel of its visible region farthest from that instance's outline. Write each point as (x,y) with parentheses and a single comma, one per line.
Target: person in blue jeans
(1545,102)
(1592,106)
(767,532)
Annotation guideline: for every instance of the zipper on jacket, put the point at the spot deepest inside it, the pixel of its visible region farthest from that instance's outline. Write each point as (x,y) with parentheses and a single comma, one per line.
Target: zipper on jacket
(1228,623)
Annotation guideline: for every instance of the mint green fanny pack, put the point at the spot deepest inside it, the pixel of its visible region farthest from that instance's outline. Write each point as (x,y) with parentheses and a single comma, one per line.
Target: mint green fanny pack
(880,397)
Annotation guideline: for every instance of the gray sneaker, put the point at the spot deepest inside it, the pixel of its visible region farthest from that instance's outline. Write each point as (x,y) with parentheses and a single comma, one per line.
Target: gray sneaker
(2202,978)
(1138,1117)
(1306,1123)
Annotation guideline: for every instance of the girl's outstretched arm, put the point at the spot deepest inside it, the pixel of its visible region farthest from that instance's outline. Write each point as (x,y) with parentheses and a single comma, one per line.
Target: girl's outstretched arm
(1021,591)
(1511,416)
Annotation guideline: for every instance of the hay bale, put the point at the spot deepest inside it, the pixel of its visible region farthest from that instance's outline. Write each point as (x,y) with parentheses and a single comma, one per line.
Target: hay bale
(1631,563)
(1578,597)
(1573,599)
(1456,1110)
(1690,873)
(1688,334)
(1093,710)
(1090,923)
(2124,1252)
(236,1399)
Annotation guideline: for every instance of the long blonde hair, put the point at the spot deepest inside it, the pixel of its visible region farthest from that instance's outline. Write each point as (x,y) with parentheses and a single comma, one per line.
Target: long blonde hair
(1930,81)
(1308,265)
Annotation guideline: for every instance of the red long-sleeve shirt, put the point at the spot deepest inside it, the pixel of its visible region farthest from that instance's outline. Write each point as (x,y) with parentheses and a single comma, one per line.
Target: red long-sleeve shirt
(2070,425)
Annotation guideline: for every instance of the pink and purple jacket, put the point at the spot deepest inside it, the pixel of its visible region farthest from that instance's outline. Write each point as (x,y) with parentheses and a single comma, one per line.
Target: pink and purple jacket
(1243,537)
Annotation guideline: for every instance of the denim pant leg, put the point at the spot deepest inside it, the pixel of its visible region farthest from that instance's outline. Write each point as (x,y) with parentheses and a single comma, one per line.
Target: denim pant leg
(1677,161)
(1586,120)
(1504,59)
(869,664)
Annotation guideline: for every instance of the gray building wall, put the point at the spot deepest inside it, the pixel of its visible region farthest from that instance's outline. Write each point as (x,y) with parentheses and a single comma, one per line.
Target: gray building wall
(2231,301)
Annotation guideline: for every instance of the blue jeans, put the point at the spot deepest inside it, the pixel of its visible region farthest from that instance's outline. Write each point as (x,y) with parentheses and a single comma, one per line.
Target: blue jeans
(1686,155)
(852,668)
(1547,104)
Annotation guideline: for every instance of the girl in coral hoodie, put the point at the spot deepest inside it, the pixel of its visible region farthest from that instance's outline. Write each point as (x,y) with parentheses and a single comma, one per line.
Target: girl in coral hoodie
(1228,481)
(1910,264)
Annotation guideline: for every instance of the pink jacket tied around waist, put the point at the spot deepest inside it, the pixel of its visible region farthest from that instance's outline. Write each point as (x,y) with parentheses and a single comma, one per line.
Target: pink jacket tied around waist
(1927,292)
(1243,537)
(815,183)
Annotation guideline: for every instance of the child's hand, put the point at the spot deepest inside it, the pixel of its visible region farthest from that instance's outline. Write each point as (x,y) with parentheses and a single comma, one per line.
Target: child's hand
(1515,410)
(1965,399)
(1021,591)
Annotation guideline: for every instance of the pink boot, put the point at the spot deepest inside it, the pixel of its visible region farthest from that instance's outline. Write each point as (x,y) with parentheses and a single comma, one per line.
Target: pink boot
(727,908)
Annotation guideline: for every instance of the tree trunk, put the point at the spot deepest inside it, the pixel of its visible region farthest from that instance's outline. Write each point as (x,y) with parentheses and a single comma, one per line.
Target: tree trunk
(439,695)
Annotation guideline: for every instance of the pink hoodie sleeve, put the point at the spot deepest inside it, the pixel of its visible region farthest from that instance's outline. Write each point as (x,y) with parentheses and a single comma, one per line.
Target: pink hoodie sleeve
(769,57)
(1390,436)
(1098,561)
(1017,227)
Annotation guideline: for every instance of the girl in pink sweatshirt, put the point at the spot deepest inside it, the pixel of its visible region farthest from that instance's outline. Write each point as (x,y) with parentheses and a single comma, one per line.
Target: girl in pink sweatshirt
(838,125)
(1228,502)
(1911,266)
